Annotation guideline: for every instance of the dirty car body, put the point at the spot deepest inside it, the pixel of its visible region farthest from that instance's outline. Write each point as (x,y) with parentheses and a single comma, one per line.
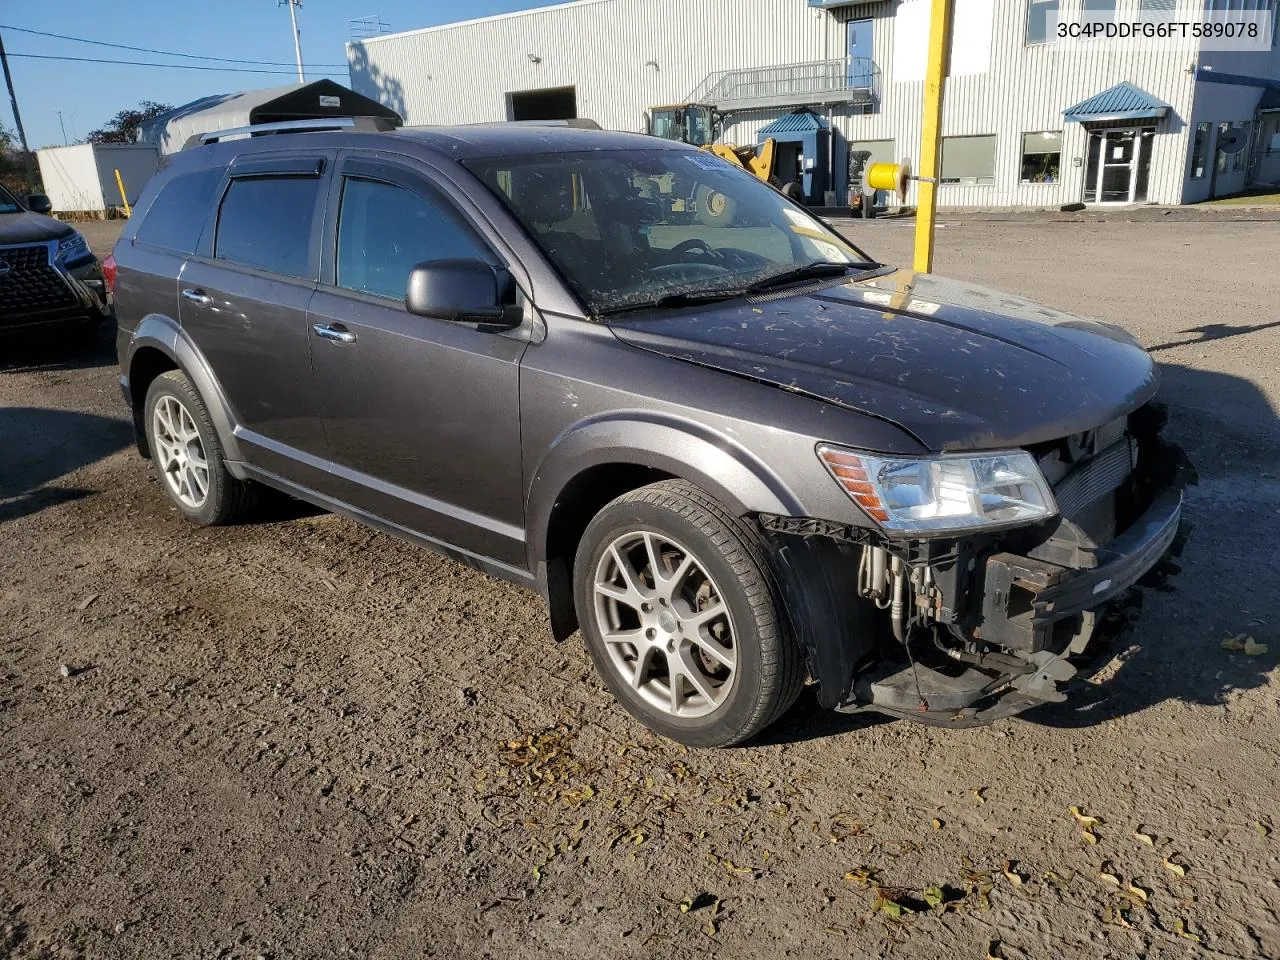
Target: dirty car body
(942,485)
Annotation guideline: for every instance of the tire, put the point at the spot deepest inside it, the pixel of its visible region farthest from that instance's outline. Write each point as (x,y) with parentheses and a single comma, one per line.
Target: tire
(715,209)
(793,191)
(190,436)
(724,704)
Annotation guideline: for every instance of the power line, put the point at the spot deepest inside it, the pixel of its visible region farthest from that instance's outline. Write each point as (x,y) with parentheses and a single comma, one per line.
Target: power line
(170,66)
(163,53)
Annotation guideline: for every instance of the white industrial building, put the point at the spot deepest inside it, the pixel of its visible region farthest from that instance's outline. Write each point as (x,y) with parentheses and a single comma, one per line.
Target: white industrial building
(1029,120)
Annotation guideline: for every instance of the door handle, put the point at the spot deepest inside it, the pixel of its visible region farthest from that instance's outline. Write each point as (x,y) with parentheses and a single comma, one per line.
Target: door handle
(333,331)
(197,296)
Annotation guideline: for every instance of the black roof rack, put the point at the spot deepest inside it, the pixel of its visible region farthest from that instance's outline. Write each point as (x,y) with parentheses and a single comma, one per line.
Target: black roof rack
(366,124)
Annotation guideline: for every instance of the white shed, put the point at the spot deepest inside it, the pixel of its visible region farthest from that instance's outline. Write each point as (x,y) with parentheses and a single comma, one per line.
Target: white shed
(82,178)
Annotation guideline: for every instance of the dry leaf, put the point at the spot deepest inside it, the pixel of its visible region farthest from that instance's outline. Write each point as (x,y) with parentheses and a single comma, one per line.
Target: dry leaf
(993,950)
(1180,928)
(1057,882)
(1089,836)
(1263,830)
(1254,649)
(1139,894)
(1107,874)
(1115,913)
(933,896)
(1177,869)
(1011,873)
(978,794)
(1146,838)
(862,876)
(890,907)
(938,824)
(1234,642)
(1084,818)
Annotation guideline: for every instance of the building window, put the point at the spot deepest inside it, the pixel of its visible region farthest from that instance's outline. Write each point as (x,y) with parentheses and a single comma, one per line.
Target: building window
(1240,160)
(1042,20)
(1200,150)
(1222,157)
(969,160)
(1153,10)
(1099,11)
(1041,156)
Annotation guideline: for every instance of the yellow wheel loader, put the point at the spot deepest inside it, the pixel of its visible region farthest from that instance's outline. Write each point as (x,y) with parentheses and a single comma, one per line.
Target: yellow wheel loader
(696,124)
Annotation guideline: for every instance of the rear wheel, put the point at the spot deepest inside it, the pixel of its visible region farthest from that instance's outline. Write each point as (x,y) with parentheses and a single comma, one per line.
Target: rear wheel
(188,456)
(681,616)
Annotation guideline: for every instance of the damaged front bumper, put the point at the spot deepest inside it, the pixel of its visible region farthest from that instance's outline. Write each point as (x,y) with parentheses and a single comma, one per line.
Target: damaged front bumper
(1024,602)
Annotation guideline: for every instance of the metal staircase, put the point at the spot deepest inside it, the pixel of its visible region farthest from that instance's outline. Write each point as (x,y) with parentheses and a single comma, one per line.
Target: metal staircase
(847,80)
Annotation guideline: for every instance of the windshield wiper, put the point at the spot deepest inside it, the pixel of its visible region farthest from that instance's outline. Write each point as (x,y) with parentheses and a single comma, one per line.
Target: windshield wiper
(686,299)
(810,271)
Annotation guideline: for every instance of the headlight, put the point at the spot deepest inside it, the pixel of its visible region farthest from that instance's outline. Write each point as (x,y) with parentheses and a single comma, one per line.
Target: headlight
(945,494)
(73,248)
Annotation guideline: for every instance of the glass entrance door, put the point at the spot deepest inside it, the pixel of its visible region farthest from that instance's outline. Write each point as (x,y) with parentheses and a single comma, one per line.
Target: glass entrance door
(1119,164)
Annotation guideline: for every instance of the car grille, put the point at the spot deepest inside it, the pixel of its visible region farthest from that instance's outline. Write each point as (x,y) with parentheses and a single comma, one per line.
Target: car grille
(31,284)
(1094,479)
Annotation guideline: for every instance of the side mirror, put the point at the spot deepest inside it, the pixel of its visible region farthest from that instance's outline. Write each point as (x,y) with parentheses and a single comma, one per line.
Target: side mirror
(465,290)
(39,203)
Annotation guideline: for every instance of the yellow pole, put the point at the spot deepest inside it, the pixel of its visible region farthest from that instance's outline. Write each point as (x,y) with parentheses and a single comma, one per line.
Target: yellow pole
(123,196)
(931,134)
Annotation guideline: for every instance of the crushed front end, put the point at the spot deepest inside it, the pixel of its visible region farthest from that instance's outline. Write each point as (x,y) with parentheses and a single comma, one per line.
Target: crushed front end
(964,629)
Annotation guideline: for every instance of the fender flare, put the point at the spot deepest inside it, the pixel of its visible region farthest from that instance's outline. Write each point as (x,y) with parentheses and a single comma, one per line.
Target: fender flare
(158,332)
(674,445)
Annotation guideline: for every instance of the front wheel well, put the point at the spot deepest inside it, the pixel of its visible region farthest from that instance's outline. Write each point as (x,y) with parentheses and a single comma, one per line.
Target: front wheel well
(147,364)
(581,499)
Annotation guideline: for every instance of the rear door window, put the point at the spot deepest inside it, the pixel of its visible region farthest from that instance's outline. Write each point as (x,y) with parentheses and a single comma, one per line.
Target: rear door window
(178,214)
(266,223)
(384,231)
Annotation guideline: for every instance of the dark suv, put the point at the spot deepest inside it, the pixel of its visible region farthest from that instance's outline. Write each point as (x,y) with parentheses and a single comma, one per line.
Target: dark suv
(49,278)
(736,454)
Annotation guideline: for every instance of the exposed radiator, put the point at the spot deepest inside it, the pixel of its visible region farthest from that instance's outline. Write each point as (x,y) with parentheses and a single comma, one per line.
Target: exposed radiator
(1094,479)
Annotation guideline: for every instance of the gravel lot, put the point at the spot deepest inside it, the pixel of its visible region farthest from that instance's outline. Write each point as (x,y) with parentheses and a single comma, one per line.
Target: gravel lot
(300,738)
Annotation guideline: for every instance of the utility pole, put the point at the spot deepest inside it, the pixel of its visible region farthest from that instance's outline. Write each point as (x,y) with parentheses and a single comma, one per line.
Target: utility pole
(931,134)
(63,126)
(297,38)
(17,117)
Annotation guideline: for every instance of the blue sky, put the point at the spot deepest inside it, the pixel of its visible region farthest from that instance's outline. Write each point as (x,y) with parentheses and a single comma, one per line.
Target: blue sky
(88,94)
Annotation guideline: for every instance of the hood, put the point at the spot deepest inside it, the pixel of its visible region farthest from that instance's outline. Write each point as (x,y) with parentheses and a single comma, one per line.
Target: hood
(958,366)
(27,227)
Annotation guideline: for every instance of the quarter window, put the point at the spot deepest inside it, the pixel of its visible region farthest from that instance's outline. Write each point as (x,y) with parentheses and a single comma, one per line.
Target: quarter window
(969,160)
(265,222)
(178,213)
(384,231)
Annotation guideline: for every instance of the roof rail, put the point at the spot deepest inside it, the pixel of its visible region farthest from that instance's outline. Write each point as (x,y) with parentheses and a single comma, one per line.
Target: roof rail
(579,123)
(372,124)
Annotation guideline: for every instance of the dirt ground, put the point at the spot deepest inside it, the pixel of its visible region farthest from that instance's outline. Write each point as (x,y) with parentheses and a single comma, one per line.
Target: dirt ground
(300,738)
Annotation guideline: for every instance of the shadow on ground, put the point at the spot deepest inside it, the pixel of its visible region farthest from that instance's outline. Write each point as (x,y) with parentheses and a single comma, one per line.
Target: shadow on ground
(42,446)
(59,348)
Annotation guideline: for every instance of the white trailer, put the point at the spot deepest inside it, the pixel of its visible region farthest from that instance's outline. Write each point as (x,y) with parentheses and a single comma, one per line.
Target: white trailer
(82,178)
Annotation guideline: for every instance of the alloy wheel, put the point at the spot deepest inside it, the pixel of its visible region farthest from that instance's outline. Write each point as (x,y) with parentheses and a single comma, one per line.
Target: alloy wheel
(665,624)
(180,452)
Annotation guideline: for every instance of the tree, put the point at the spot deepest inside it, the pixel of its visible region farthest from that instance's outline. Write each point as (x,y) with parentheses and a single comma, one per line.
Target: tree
(123,127)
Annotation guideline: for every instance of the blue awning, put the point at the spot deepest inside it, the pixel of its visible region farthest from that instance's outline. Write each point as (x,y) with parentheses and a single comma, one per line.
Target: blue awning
(803,121)
(1124,101)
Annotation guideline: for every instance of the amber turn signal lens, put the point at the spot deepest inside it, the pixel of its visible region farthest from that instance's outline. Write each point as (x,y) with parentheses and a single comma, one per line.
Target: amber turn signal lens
(851,474)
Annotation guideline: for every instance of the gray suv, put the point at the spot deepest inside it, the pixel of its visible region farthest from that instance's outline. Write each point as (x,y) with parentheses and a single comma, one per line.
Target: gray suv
(737,455)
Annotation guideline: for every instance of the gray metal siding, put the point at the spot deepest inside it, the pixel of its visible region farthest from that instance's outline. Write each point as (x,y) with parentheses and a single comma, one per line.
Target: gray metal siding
(461,74)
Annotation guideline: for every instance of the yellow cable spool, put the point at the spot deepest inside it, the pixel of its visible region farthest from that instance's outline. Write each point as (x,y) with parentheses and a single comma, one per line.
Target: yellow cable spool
(887,176)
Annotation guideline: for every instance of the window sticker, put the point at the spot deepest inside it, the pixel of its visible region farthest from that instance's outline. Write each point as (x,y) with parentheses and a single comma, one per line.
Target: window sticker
(708,161)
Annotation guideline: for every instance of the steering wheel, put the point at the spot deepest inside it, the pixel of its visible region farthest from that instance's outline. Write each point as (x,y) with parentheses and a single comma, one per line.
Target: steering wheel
(692,244)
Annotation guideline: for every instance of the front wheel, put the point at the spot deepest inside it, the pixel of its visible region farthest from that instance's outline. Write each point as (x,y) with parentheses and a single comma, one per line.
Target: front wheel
(682,618)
